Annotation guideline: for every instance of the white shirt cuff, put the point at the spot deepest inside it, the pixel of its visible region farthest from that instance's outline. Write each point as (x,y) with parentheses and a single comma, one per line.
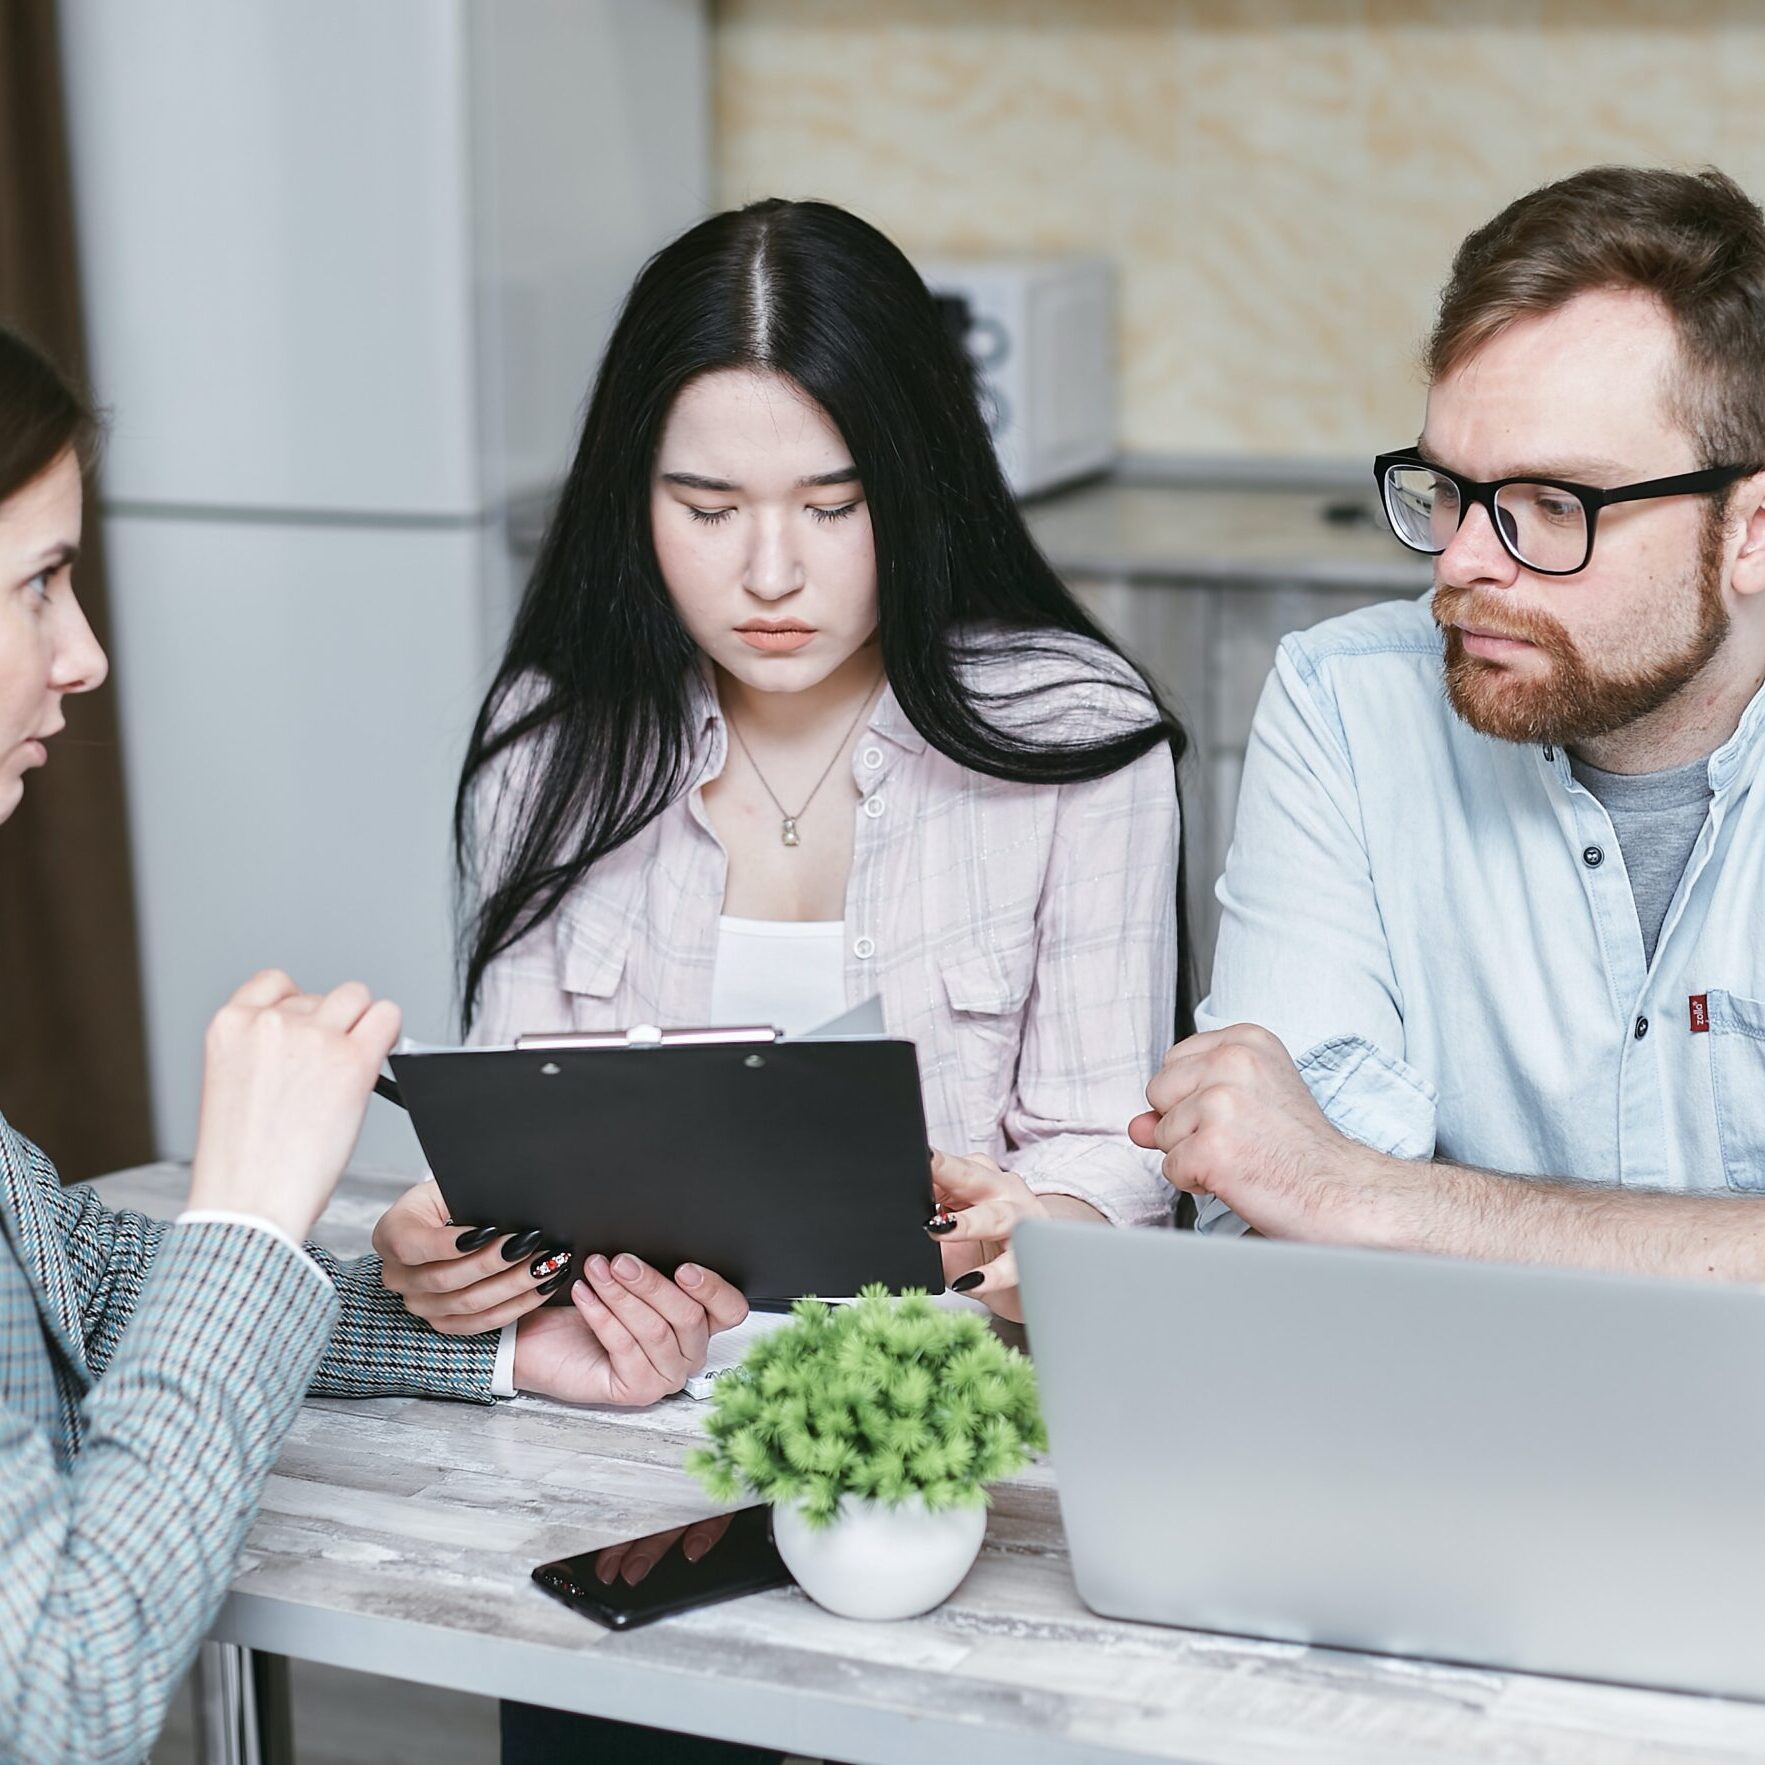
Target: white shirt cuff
(502,1380)
(197,1216)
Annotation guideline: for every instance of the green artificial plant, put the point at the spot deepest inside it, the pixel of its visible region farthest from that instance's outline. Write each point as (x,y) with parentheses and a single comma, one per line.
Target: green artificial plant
(883,1399)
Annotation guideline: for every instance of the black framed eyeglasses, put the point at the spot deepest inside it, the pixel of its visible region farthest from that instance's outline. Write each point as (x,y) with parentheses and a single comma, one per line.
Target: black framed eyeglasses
(1546,524)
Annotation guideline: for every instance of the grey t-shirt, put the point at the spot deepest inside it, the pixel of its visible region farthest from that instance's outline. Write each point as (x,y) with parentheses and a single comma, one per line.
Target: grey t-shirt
(1657,817)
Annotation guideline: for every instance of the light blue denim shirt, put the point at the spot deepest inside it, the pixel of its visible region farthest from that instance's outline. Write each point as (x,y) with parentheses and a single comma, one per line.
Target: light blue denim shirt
(1439,927)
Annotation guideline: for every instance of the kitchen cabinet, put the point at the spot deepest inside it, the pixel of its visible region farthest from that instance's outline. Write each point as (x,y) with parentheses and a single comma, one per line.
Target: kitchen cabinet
(1210,647)
(1199,583)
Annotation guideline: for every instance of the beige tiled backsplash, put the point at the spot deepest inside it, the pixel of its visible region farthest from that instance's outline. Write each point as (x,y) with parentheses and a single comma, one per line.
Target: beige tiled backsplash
(1281,182)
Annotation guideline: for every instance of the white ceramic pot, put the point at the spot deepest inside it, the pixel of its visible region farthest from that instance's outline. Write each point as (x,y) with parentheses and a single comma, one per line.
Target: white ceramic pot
(880,1562)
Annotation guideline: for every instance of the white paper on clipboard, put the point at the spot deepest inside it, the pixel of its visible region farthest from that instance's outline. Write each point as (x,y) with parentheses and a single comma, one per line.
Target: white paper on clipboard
(863,1023)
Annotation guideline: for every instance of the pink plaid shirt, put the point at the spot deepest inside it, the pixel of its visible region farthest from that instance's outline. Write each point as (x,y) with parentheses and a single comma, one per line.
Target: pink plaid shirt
(1022,936)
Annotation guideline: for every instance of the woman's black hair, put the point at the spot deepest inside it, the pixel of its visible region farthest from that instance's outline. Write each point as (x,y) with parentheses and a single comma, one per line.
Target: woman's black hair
(813,294)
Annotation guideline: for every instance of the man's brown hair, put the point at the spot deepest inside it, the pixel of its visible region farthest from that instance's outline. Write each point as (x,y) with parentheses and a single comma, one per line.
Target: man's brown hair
(1695,241)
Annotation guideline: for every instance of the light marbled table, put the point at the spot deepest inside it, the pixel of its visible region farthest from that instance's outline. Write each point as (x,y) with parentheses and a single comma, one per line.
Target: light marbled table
(396,1537)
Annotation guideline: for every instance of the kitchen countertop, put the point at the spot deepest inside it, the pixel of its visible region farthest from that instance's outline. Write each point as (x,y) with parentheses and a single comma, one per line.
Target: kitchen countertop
(1240,535)
(1137,529)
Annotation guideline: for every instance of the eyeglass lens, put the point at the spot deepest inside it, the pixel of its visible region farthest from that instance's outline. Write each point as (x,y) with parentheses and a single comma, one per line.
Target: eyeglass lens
(1545,526)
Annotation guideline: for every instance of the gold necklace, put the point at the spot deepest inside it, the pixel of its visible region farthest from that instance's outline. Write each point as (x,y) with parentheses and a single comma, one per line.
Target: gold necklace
(789,829)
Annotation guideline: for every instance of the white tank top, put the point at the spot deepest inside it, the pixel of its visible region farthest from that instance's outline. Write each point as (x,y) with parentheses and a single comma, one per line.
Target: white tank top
(790,973)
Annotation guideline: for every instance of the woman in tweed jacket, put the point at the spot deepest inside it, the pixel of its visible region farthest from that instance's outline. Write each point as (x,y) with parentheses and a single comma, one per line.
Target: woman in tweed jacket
(791,677)
(148,1372)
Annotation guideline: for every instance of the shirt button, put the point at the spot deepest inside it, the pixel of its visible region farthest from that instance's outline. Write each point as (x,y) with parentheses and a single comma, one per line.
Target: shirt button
(1642,1028)
(1593,857)
(872,757)
(864,949)
(873,807)
(1550,753)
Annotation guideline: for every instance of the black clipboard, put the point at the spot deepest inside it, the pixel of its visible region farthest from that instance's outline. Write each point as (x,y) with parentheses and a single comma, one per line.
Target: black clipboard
(789,1167)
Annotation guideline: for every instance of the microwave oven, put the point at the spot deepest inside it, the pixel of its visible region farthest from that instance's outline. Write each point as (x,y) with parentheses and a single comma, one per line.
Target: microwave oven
(1040,332)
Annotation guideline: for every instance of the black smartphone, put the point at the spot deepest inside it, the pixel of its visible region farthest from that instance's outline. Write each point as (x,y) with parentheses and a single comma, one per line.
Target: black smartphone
(738,1558)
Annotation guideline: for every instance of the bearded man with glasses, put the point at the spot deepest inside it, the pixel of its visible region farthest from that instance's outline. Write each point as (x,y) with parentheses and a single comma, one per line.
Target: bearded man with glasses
(1491,970)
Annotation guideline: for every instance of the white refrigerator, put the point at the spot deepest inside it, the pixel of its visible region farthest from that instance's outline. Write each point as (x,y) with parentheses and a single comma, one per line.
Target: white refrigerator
(348,265)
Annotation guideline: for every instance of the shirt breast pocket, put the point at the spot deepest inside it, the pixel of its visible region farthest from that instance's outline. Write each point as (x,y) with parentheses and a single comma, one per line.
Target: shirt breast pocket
(1737,1079)
(986,990)
(593,941)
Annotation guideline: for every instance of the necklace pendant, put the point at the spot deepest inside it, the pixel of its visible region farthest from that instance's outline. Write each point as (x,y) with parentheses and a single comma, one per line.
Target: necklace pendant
(790,831)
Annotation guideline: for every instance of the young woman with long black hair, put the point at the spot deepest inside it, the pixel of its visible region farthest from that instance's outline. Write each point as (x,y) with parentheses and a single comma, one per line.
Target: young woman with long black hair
(794,713)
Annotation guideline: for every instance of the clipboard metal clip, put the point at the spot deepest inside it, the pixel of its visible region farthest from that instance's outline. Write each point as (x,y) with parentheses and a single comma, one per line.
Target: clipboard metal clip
(648,1035)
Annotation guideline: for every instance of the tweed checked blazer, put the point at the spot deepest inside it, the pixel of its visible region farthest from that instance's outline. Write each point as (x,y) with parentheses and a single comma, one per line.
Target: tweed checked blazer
(148,1373)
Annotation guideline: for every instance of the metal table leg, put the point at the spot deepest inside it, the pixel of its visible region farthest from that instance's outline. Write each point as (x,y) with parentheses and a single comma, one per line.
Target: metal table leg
(274,1691)
(244,1707)
(226,1706)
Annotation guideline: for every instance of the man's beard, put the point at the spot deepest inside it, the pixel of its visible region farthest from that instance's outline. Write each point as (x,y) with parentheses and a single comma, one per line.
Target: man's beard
(1571,702)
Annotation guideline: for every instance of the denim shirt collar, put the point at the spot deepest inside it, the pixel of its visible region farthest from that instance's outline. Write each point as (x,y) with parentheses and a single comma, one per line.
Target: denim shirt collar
(1735,761)
(1731,764)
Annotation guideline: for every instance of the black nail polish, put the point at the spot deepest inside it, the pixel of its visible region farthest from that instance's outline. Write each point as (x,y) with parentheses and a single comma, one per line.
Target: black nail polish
(549,1264)
(553,1284)
(475,1239)
(941,1222)
(522,1244)
(966,1283)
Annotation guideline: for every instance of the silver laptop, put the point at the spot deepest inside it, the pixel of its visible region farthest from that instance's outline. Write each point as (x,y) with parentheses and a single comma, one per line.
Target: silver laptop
(1537,1469)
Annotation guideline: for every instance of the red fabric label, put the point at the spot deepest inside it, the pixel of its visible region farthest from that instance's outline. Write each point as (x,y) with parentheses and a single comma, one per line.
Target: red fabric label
(1700,1012)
